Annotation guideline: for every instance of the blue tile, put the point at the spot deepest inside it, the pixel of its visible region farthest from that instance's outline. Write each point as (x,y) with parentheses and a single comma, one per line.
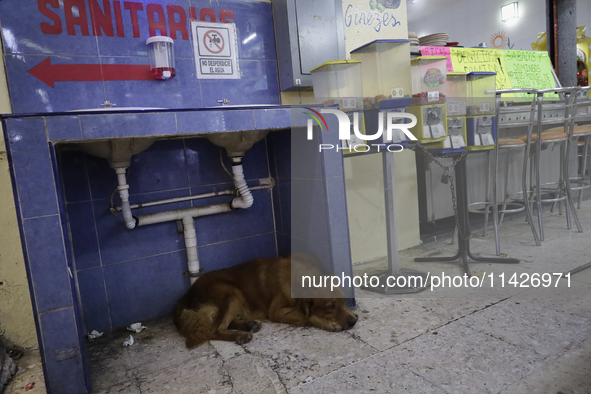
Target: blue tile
(26,29)
(337,209)
(182,91)
(321,253)
(103,179)
(47,260)
(256,161)
(240,223)
(117,243)
(283,245)
(160,167)
(127,43)
(333,160)
(210,121)
(31,95)
(127,125)
(93,297)
(309,216)
(254,28)
(62,353)
(83,235)
(306,160)
(277,210)
(228,254)
(203,161)
(342,265)
(32,166)
(272,118)
(258,84)
(280,145)
(74,176)
(60,128)
(147,288)
(299,116)
(284,191)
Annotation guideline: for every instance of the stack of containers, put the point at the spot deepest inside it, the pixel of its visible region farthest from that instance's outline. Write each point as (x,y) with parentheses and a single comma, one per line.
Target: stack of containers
(385,66)
(429,90)
(480,122)
(339,83)
(456,104)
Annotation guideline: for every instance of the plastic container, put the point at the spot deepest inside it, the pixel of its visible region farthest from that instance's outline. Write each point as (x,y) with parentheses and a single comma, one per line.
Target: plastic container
(481,93)
(385,66)
(161,55)
(428,75)
(457,94)
(339,82)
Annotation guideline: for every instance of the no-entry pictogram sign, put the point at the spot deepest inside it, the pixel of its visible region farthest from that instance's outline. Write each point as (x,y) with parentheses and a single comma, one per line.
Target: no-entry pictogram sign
(215,50)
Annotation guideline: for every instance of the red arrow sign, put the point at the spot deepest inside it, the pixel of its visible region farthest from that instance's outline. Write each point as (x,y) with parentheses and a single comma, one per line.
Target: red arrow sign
(50,73)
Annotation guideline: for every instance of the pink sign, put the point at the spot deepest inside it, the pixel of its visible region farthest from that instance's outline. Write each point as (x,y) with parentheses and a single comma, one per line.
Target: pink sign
(438,51)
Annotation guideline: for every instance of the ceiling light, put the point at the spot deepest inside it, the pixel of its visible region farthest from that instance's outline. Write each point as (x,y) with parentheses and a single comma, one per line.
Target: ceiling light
(509,12)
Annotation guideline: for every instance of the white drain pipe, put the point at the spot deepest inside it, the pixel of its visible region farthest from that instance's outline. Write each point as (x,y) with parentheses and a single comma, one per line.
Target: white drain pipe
(187,215)
(246,199)
(123,188)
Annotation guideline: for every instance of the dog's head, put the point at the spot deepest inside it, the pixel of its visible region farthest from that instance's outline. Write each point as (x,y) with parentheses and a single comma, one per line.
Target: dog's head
(332,309)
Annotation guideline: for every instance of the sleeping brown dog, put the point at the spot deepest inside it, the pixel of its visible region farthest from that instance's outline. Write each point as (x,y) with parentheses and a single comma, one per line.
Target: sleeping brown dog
(227,304)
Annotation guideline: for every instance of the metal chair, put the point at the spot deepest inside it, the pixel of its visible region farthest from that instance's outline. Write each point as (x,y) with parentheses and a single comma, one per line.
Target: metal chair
(562,191)
(510,144)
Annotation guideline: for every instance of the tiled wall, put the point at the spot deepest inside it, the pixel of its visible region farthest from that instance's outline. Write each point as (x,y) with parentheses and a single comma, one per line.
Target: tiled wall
(125,275)
(26,45)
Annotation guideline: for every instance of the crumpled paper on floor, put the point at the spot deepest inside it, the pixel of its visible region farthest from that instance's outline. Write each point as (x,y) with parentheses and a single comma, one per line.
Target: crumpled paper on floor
(136,327)
(129,341)
(94,335)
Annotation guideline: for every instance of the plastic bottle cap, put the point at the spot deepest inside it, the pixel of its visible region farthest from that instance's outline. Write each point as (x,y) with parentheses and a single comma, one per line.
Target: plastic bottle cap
(159,39)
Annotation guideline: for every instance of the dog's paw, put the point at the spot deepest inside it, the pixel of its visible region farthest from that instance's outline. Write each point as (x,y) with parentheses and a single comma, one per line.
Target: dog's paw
(255,326)
(244,338)
(333,327)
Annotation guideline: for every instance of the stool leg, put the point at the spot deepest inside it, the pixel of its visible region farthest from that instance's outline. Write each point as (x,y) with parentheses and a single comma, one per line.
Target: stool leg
(487,195)
(495,210)
(563,184)
(569,200)
(538,190)
(524,187)
(584,169)
(506,190)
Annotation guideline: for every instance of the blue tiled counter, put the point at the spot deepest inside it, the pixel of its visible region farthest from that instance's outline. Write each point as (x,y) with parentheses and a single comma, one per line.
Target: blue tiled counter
(31,142)
(87,271)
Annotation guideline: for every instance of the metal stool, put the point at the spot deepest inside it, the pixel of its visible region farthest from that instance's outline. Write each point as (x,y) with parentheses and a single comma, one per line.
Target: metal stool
(508,144)
(562,190)
(582,135)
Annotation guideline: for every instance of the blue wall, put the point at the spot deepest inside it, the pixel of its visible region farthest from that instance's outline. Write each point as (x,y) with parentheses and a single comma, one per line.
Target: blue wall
(29,39)
(125,275)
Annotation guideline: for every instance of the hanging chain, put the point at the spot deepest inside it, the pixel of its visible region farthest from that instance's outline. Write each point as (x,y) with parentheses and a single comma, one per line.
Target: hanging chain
(448,177)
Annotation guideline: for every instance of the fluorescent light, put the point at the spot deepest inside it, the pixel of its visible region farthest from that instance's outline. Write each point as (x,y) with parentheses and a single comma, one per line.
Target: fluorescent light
(509,12)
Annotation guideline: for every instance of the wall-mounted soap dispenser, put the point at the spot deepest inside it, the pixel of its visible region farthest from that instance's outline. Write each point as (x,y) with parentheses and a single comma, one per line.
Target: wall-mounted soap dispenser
(161,55)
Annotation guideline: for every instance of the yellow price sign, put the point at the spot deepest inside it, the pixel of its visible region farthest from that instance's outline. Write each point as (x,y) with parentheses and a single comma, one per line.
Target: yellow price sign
(481,59)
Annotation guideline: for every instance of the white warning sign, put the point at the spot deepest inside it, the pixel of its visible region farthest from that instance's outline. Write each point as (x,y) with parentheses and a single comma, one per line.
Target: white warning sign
(215,50)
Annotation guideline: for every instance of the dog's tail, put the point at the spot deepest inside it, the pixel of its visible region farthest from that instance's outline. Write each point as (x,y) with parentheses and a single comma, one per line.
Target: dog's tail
(195,325)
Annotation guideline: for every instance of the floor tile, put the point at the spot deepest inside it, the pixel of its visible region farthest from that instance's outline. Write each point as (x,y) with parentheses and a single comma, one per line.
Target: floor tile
(570,374)
(527,325)
(301,354)
(384,323)
(461,360)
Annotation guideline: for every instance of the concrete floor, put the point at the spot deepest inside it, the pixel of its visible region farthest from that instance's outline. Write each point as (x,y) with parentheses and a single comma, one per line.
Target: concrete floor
(483,340)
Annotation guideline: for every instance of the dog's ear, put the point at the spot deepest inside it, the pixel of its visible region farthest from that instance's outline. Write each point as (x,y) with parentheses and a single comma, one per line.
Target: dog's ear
(306,306)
